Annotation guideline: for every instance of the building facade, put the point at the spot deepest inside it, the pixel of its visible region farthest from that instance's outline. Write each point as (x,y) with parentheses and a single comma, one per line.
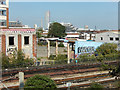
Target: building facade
(4,13)
(12,40)
(15,24)
(82,47)
(108,37)
(69,27)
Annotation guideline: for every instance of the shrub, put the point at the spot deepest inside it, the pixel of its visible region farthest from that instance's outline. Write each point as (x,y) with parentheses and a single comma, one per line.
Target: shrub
(61,59)
(40,82)
(52,57)
(96,86)
(18,60)
(5,61)
(107,48)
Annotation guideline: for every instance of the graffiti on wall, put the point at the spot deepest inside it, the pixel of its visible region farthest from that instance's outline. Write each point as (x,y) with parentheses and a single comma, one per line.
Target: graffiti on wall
(86,49)
(11,50)
(82,47)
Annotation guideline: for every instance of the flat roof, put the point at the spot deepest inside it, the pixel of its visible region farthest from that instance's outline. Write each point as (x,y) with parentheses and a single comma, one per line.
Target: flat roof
(19,29)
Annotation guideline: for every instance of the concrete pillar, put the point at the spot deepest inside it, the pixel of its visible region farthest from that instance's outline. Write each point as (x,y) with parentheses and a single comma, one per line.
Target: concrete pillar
(90,36)
(56,48)
(21,80)
(48,48)
(68,52)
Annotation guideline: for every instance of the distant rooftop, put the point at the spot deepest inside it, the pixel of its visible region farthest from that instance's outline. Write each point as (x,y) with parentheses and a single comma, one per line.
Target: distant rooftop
(19,29)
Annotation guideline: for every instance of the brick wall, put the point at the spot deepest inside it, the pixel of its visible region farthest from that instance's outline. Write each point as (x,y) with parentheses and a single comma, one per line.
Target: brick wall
(7,18)
(34,46)
(19,42)
(4,44)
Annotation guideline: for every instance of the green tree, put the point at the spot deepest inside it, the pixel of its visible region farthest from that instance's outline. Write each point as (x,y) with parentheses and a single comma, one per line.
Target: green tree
(107,48)
(38,34)
(56,30)
(40,82)
(40,30)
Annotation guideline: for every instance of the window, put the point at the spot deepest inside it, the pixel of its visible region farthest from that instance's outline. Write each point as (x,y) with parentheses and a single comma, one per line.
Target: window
(117,38)
(4,12)
(3,2)
(101,38)
(111,38)
(11,40)
(2,22)
(26,40)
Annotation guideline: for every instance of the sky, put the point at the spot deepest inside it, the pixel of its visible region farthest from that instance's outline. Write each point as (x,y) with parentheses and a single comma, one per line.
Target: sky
(103,15)
(64,0)
(119,15)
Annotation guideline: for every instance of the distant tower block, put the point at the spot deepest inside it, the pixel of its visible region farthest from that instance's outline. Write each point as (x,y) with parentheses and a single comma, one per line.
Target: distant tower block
(86,26)
(35,26)
(47,19)
(4,14)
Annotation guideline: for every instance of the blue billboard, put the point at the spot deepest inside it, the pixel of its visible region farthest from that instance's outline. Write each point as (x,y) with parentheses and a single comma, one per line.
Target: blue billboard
(82,47)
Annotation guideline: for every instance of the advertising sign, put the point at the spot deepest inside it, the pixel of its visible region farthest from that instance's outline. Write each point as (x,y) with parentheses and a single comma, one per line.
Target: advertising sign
(82,47)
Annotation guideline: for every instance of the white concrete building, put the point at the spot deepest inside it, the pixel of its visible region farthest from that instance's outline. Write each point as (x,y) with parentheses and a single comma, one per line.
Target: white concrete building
(72,35)
(12,40)
(108,37)
(87,36)
(69,27)
(4,13)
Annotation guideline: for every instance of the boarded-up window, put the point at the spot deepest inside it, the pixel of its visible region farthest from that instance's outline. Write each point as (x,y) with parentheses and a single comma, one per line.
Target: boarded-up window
(117,38)
(101,38)
(111,38)
(11,40)
(26,40)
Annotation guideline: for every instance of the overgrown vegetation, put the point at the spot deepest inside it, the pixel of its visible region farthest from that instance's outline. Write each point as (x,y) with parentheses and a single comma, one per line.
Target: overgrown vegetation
(60,59)
(107,48)
(40,82)
(107,51)
(18,60)
(96,86)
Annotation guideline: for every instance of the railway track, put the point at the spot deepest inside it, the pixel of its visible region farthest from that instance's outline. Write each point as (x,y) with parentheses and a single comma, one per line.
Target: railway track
(87,83)
(76,79)
(68,73)
(49,69)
